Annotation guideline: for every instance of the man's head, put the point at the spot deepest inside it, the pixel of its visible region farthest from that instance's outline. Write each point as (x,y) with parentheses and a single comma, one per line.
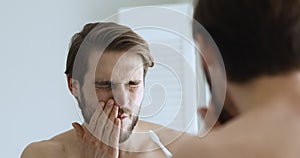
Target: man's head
(255,37)
(108,61)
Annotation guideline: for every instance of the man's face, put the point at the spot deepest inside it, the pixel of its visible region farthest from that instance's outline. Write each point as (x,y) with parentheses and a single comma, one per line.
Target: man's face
(117,76)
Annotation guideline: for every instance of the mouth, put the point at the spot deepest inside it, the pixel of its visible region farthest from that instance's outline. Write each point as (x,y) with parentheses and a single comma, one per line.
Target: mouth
(122,116)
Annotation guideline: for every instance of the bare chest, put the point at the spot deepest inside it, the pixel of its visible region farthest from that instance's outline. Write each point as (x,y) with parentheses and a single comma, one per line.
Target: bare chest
(148,154)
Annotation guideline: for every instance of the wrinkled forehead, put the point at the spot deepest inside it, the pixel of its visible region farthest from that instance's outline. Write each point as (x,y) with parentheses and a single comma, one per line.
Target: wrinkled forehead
(116,66)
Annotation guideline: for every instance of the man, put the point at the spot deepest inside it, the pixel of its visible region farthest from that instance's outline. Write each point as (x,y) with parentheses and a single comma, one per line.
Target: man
(259,41)
(226,114)
(106,68)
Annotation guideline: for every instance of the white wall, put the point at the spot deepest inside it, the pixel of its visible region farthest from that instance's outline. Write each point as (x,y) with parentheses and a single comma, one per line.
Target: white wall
(170,93)
(35,103)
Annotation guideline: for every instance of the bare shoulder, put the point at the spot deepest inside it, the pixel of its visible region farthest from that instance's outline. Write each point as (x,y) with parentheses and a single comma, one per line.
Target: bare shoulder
(163,131)
(58,147)
(47,148)
(168,136)
(174,137)
(145,126)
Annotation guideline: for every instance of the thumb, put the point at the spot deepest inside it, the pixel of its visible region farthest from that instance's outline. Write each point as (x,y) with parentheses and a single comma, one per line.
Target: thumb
(79,129)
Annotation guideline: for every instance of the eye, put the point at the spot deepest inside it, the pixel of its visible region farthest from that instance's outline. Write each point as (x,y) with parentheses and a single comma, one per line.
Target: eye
(134,84)
(103,85)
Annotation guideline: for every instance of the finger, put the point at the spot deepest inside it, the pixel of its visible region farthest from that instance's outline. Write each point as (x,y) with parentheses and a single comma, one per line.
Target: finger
(108,107)
(108,128)
(113,114)
(101,122)
(78,129)
(93,122)
(115,135)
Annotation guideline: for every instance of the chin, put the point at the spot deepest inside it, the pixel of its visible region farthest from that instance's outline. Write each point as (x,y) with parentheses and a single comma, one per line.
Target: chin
(126,131)
(124,135)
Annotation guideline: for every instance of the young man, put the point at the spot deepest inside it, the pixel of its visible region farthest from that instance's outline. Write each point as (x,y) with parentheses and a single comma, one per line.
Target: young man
(106,68)
(259,41)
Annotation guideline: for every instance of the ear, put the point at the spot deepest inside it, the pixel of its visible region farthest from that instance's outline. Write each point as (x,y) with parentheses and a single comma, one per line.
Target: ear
(199,39)
(207,55)
(73,86)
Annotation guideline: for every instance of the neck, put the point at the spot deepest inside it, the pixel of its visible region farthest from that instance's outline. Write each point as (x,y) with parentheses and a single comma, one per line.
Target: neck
(267,91)
(139,140)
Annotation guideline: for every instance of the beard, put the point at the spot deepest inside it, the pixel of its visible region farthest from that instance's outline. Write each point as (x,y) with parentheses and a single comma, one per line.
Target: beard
(125,132)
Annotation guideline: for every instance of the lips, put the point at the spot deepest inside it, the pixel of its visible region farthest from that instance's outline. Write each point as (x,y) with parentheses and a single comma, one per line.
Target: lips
(123,113)
(122,116)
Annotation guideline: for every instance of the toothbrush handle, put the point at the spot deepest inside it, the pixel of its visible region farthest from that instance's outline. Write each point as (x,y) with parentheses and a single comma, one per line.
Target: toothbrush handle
(166,151)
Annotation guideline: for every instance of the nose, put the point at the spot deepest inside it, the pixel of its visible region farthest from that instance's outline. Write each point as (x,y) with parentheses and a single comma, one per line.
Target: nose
(121,95)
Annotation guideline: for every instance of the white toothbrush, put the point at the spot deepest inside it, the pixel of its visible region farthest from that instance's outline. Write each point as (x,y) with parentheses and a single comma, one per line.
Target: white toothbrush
(155,138)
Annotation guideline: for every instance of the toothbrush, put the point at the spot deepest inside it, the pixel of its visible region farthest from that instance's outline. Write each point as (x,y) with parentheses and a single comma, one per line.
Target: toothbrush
(155,138)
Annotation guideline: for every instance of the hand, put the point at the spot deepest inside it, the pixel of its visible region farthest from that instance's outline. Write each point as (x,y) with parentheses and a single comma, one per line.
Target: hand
(100,139)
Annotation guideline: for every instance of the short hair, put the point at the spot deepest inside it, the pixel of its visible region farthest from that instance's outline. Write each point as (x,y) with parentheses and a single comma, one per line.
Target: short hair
(106,37)
(255,37)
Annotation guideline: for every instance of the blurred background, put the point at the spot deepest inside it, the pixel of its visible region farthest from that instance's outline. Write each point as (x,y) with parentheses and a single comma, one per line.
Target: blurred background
(35,35)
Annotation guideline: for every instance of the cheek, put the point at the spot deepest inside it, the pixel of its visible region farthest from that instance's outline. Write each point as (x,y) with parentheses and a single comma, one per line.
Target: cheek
(104,95)
(88,103)
(92,98)
(137,96)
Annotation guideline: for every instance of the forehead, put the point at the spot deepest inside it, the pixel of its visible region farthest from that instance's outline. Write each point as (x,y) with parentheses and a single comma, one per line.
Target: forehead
(118,66)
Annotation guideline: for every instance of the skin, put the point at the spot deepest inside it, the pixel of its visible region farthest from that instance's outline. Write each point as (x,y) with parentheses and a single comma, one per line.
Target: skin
(229,110)
(110,82)
(106,128)
(267,125)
